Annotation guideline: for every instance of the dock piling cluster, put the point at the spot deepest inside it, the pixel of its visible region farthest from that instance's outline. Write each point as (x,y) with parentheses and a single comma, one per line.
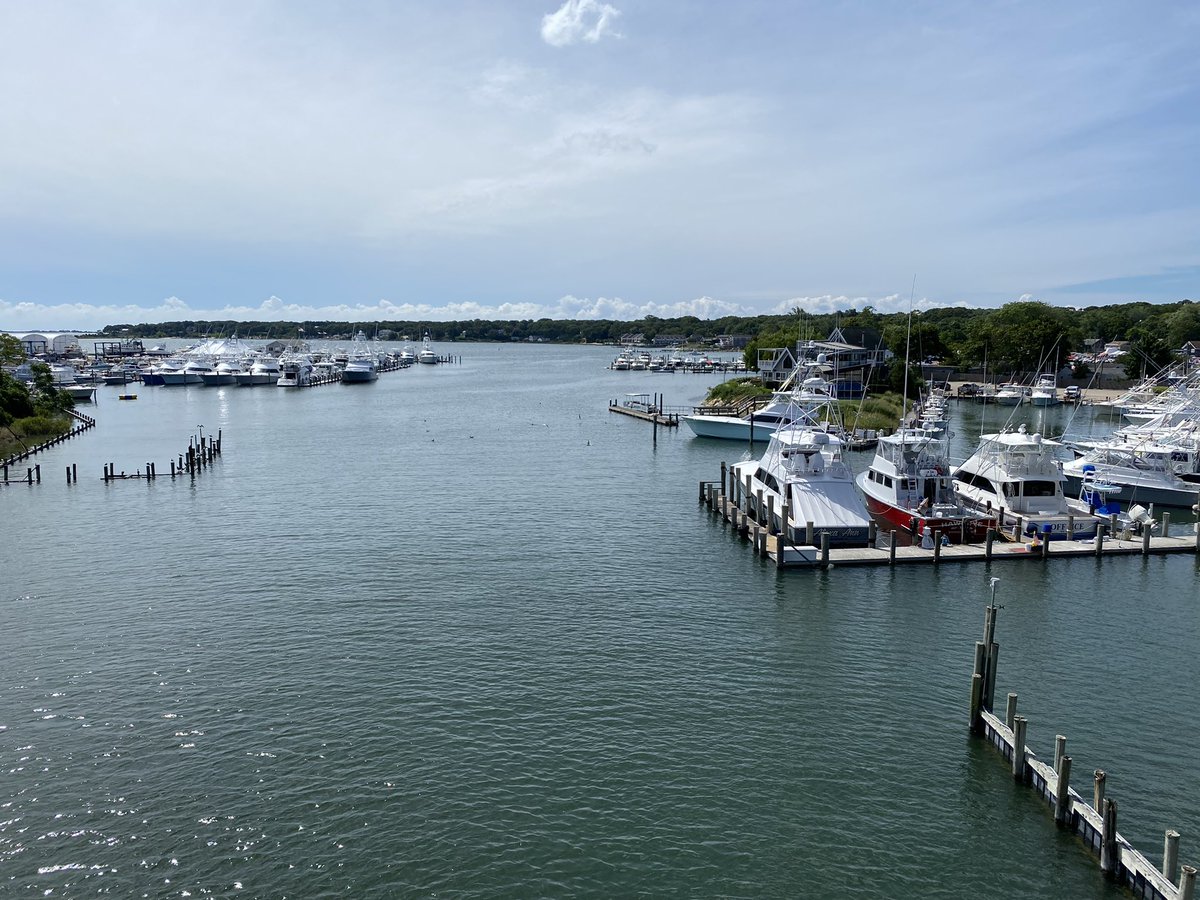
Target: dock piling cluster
(1096,824)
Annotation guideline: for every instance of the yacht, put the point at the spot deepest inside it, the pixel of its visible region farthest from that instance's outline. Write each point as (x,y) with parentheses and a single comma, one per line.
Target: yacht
(1017,472)
(1045,392)
(804,468)
(225,373)
(1144,472)
(361,364)
(264,370)
(758,425)
(426,355)
(295,371)
(909,490)
(1008,395)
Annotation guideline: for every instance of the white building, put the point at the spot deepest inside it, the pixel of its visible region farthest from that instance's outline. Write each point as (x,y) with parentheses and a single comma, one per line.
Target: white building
(52,342)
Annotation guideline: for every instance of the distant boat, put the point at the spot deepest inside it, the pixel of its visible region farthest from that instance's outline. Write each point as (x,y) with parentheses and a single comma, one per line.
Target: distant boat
(361,364)
(426,355)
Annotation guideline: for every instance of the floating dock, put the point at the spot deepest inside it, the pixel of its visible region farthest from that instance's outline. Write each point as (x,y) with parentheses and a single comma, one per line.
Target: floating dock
(763,534)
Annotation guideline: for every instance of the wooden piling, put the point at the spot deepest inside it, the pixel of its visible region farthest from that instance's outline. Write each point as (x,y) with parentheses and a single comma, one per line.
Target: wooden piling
(824,548)
(1109,850)
(892,548)
(1010,711)
(74,474)
(987,544)
(1070,527)
(1165,531)
(1187,883)
(770,515)
(1062,797)
(1100,526)
(976,724)
(808,533)
(937,549)
(1098,777)
(1018,757)
(1060,749)
(758,506)
(872,533)
(1146,539)
(1170,866)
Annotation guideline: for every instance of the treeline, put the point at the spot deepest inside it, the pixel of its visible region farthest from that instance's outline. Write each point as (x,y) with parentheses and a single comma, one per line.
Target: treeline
(29,413)
(1023,336)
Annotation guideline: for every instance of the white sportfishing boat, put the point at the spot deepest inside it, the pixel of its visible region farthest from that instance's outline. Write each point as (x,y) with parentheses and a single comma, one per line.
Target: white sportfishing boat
(1139,472)
(264,370)
(1017,473)
(812,394)
(427,355)
(361,364)
(804,471)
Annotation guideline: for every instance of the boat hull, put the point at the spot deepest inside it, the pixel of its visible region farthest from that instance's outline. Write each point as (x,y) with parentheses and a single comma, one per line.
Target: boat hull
(908,526)
(729,428)
(1143,494)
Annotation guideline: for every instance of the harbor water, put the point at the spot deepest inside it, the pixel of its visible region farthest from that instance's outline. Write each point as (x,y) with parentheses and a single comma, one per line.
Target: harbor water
(463,632)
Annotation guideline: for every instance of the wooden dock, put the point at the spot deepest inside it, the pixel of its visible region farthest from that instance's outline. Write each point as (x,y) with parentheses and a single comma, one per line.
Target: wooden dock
(648,410)
(764,536)
(1095,824)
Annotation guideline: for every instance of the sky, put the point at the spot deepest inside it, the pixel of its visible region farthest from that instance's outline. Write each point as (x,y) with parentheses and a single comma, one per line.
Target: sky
(394,160)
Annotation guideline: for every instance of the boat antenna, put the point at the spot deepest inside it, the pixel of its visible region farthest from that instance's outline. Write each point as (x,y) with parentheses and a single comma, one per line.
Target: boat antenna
(907,349)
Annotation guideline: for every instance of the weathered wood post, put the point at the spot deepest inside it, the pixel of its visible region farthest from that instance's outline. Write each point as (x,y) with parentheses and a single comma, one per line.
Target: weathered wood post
(1109,852)
(1146,539)
(1018,757)
(1017,529)
(1045,546)
(872,532)
(1070,527)
(723,481)
(1112,524)
(701,491)
(808,533)
(1060,749)
(987,543)
(976,724)
(1187,883)
(771,514)
(172,468)
(74,474)
(785,522)
(824,548)
(1099,778)
(1166,524)
(1100,526)
(1170,867)
(1062,799)
(37,471)
(937,548)
(758,506)
(892,548)
(68,474)
(1010,711)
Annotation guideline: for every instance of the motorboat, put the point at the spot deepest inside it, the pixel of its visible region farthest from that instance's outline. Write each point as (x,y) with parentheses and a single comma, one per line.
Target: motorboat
(811,395)
(909,490)
(1008,395)
(1145,472)
(224,373)
(1017,473)
(295,371)
(1045,392)
(804,472)
(427,355)
(361,364)
(264,370)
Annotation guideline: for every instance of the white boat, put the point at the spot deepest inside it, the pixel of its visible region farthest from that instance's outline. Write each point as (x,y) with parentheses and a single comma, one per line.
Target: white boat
(909,490)
(804,468)
(758,425)
(264,370)
(1145,472)
(361,364)
(224,373)
(1008,395)
(1017,472)
(1045,392)
(426,355)
(295,371)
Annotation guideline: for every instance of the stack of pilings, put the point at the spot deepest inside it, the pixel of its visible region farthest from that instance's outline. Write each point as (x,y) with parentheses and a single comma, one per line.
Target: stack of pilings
(1096,824)
(201,453)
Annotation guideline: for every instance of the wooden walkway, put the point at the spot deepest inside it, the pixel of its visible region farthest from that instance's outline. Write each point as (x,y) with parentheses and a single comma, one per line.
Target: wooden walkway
(813,555)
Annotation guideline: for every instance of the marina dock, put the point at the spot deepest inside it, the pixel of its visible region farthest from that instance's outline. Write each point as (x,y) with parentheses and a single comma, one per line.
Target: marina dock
(1095,824)
(815,552)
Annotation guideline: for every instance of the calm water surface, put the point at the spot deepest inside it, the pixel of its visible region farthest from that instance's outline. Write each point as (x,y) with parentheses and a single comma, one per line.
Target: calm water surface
(463,632)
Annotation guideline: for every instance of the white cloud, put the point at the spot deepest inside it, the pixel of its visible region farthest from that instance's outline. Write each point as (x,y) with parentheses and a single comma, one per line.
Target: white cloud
(579,20)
